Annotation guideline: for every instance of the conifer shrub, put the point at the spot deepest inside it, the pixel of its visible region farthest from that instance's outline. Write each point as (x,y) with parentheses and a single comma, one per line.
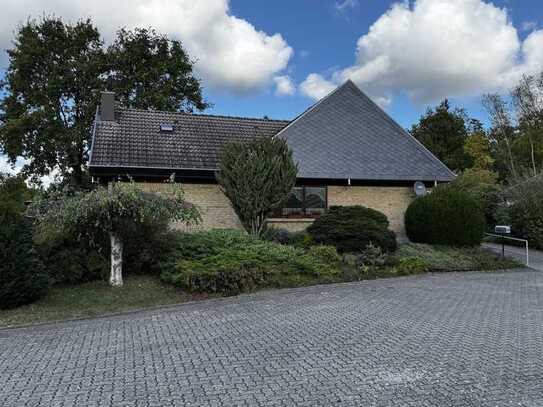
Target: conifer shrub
(353,228)
(22,275)
(447,216)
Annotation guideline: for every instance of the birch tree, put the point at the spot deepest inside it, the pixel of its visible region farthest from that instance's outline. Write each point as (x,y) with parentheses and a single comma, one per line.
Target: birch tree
(115,211)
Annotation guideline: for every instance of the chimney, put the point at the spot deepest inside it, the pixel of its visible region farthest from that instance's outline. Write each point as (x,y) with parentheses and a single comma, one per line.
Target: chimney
(107,109)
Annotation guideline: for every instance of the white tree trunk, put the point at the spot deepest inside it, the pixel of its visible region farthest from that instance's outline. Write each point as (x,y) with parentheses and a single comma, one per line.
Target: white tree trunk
(116,278)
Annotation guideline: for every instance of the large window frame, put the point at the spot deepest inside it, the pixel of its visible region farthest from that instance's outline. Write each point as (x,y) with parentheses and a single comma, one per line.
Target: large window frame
(304,211)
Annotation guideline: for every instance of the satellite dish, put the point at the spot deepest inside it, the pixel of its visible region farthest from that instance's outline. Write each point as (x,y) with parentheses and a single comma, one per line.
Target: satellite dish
(420,188)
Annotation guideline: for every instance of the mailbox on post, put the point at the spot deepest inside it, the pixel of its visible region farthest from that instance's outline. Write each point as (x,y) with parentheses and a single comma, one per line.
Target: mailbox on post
(502,230)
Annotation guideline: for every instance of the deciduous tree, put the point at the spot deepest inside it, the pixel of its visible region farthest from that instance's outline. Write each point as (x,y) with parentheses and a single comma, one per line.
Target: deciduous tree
(114,211)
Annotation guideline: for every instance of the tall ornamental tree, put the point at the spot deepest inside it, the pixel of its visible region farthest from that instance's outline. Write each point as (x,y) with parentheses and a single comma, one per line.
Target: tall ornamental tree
(444,131)
(115,211)
(53,82)
(257,177)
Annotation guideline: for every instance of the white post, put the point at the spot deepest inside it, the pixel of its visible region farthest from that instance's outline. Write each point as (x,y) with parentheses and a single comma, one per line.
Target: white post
(116,277)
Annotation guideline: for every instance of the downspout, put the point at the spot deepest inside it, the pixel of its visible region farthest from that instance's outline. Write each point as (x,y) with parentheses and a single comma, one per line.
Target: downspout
(348,181)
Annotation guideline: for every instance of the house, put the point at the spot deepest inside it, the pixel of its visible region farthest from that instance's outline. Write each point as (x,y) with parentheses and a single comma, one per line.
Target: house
(349,152)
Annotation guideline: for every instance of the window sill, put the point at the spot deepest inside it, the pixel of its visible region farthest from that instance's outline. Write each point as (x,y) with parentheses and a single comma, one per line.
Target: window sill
(293,220)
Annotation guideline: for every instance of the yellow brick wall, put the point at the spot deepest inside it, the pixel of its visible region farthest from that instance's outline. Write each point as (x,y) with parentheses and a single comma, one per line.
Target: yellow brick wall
(214,206)
(392,201)
(217,213)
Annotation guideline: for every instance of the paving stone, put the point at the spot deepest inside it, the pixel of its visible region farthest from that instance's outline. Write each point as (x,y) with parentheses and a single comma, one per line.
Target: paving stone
(460,339)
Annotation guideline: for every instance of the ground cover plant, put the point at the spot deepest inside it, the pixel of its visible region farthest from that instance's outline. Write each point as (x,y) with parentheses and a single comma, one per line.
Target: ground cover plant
(446,258)
(230,262)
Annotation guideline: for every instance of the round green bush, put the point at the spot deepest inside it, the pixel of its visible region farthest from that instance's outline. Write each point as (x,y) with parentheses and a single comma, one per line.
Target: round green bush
(447,216)
(352,228)
(22,276)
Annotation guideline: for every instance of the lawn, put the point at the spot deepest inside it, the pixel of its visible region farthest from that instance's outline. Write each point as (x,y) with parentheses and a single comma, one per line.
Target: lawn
(96,298)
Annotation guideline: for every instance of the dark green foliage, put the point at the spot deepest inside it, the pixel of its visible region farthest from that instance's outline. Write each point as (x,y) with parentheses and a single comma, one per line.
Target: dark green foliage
(525,209)
(282,236)
(13,194)
(446,258)
(231,262)
(150,71)
(53,82)
(447,216)
(256,177)
(444,131)
(352,228)
(137,217)
(22,277)
(52,87)
(482,186)
(69,261)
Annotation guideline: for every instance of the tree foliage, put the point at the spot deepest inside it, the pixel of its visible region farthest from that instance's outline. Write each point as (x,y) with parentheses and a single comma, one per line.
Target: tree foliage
(116,211)
(22,276)
(53,82)
(523,209)
(52,85)
(479,150)
(256,177)
(444,131)
(150,71)
(13,194)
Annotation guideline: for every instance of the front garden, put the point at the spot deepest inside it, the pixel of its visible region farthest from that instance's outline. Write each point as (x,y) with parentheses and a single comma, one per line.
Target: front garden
(57,253)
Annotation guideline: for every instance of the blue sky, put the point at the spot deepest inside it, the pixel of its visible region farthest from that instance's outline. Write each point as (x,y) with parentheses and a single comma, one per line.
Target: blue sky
(406,55)
(324,38)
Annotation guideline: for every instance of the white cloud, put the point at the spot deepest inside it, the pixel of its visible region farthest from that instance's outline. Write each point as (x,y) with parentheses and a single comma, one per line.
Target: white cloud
(231,53)
(529,25)
(316,87)
(284,86)
(430,49)
(341,6)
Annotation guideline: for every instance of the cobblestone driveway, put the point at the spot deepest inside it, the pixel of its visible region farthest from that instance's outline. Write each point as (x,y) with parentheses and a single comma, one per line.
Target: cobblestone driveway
(471,339)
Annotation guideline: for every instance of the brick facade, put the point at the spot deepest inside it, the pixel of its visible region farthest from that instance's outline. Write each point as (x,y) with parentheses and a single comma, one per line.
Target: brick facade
(214,206)
(218,213)
(392,201)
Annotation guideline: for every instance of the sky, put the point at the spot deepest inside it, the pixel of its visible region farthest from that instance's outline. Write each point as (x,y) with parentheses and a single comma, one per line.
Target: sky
(276,58)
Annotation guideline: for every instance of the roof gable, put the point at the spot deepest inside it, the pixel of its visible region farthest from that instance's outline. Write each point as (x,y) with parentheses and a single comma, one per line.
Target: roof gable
(346,135)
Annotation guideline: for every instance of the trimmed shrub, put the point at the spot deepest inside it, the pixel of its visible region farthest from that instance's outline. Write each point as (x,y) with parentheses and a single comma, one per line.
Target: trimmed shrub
(22,276)
(231,262)
(446,216)
(352,228)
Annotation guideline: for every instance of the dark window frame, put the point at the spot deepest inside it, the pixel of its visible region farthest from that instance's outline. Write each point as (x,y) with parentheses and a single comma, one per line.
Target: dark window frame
(278,212)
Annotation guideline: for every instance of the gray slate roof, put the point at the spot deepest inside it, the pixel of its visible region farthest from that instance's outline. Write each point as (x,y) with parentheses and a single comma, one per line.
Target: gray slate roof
(134,140)
(346,135)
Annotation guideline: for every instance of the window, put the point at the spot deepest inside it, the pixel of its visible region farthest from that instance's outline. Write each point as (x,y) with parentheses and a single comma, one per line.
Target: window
(304,202)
